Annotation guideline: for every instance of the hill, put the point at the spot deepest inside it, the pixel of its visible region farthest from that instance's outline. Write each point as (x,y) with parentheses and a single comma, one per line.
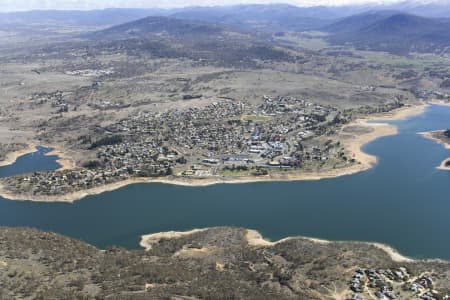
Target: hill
(215,263)
(392,32)
(150,26)
(170,37)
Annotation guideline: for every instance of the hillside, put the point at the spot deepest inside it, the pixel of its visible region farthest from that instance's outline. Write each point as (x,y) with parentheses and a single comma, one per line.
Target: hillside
(177,38)
(149,26)
(392,32)
(225,263)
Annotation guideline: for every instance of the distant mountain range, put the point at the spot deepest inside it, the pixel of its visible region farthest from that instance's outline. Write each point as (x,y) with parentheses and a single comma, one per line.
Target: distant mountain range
(269,18)
(274,16)
(392,32)
(397,28)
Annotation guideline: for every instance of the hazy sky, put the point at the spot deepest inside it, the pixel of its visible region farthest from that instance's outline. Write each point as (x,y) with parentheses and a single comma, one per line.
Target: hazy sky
(16,5)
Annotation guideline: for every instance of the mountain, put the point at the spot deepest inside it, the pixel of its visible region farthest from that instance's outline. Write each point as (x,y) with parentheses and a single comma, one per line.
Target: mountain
(262,17)
(358,22)
(431,9)
(392,32)
(272,17)
(150,26)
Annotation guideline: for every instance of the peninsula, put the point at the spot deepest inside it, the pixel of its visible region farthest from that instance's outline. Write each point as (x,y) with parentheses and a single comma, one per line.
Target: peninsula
(341,155)
(209,263)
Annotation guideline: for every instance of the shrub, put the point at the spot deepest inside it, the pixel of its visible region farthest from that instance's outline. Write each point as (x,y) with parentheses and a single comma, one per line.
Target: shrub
(109,140)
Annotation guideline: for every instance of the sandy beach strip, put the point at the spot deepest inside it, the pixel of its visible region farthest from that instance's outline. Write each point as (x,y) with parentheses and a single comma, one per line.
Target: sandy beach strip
(353,144)
(401,113)
(64,160)
(430,135)
(439,102)
(147,241)
(445,165)
(356,142)
(255,239)
(393,254)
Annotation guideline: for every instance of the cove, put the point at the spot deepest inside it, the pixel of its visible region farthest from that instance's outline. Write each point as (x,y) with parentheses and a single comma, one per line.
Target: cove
(404,201)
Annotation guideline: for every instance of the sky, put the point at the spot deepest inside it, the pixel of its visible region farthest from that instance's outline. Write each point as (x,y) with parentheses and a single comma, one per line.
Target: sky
(21,5)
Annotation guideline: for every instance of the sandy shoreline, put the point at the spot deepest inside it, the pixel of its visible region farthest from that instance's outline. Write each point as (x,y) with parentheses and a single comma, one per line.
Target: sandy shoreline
(439,102)
(445,165)
(255,239)
(64,160)
(148,240)
(429,135)
(353,143)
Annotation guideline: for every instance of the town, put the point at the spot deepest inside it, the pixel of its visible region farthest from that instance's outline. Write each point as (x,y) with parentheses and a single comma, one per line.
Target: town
(224,138)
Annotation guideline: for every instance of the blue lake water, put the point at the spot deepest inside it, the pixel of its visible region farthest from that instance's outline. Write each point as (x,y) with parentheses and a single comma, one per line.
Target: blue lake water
(404,201)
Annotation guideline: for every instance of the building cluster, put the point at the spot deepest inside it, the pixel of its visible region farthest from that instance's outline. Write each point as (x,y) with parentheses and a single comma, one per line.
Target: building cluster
(202,141)
(63,182)
(141,159)
(430,94)
(232,131)
(90,72)
(56,100)
(69,181)
(392,284)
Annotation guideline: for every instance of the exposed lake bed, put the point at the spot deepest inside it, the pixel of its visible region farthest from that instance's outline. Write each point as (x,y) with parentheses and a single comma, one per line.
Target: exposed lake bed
(403,196)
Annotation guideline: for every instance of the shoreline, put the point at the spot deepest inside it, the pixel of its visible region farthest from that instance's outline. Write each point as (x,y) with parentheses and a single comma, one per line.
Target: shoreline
(445,165)
(354,143)
(63,160)
(12,157)
(148,240)
(429,135)
(439,102)
(255,239)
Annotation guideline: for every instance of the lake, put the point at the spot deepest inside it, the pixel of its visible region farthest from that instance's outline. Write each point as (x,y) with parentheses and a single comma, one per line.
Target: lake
(404,201)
